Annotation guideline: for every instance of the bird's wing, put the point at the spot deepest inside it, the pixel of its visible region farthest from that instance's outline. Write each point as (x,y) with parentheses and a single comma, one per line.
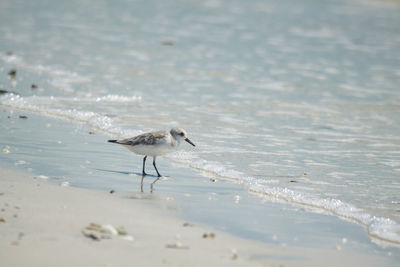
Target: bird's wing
(144,139)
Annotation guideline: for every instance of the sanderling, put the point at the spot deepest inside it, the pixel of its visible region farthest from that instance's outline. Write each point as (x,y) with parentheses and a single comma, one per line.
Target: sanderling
(154,144)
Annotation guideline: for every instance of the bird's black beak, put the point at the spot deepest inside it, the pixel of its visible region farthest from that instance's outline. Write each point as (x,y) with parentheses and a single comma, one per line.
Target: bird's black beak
(190,142)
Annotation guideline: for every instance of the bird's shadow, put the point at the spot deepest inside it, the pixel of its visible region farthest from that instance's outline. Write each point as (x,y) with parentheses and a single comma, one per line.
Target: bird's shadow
(138,174)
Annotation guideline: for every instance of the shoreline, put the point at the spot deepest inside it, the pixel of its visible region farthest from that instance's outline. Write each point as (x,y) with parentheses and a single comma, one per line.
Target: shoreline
(380,229)
(155,236)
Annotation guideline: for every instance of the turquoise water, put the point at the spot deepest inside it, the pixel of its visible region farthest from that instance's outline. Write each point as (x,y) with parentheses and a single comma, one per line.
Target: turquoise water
(295,100)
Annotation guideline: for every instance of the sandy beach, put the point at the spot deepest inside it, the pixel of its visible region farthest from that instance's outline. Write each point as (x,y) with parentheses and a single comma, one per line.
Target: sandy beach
(293,107)
(43,224)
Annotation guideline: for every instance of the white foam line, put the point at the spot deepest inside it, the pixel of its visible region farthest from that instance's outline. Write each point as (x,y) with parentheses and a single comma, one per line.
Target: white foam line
(381,228)
(51,100)
(378,228)
(93,119)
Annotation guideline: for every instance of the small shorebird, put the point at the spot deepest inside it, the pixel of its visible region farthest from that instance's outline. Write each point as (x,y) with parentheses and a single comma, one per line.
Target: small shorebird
(154,144)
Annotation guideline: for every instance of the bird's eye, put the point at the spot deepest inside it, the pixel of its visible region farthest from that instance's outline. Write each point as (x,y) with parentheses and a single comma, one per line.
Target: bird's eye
(182,134)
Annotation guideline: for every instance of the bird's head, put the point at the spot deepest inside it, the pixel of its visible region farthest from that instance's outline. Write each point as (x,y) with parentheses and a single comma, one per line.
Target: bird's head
(180,134)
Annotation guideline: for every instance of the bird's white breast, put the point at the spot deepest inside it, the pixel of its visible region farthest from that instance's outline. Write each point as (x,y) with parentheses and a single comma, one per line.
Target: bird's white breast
(161,148)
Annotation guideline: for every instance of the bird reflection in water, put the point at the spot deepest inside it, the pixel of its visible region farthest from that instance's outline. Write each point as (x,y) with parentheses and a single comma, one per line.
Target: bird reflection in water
(151,185)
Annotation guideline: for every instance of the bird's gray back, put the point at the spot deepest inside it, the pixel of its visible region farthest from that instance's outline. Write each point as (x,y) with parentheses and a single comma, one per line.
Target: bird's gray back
(145,139)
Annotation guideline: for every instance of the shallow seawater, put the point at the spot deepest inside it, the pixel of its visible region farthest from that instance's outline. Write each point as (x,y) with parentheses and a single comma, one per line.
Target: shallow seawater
(298,101)
(71,154)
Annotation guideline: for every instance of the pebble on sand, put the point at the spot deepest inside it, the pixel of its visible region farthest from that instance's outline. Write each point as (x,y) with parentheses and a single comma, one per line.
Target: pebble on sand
(12,73)
(188,224)
(235,254)
(337,247)
(168,43)
(209,235)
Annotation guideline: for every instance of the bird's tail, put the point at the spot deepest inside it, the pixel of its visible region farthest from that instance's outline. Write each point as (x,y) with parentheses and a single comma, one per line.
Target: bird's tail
(112,141)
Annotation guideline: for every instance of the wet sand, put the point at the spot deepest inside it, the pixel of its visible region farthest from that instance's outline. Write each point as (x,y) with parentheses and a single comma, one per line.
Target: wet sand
(44,224)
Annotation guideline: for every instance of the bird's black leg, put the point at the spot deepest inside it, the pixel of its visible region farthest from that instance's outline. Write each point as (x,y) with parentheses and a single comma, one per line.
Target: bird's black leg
(144,163)
(155,167)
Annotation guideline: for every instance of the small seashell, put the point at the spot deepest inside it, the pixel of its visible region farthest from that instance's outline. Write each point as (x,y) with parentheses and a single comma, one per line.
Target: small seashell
(3,220)
(20,162)
(109,229)
(64,184)
(237,198)
(23,117)
(188,224)
(44,177)
(6,149)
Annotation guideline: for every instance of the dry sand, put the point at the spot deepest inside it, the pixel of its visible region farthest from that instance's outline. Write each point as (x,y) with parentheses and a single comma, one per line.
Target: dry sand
(43,224)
